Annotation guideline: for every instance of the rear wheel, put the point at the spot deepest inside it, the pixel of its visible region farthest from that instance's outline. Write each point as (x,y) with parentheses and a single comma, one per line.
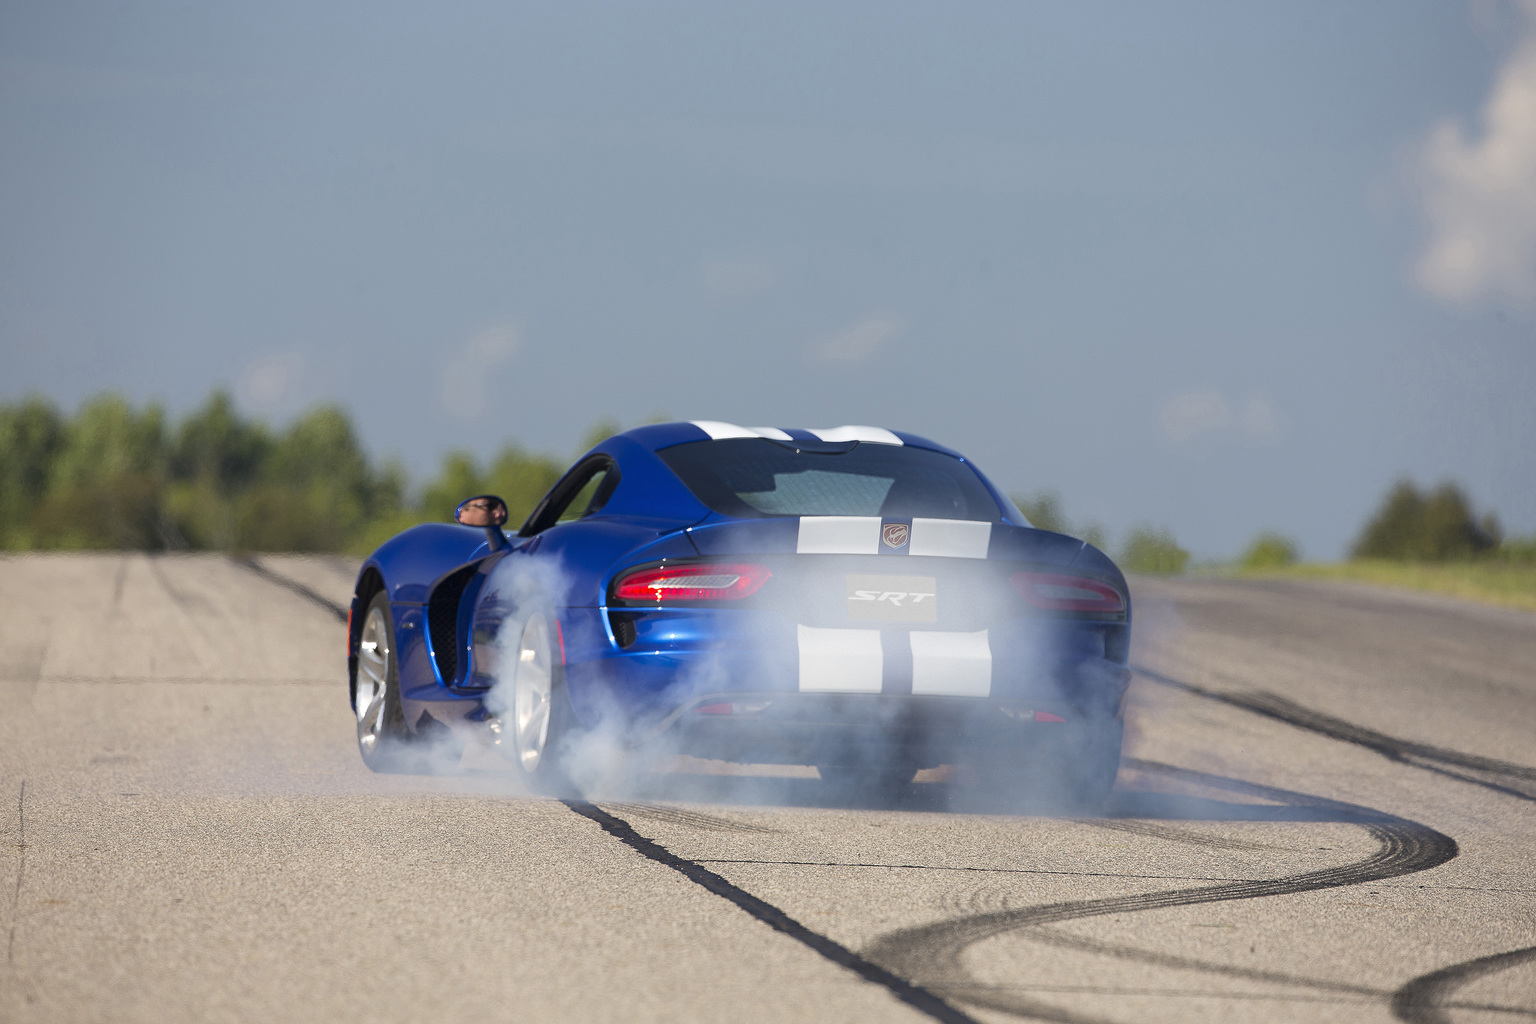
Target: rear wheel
(1075,765)
(539,712)
(1088,775)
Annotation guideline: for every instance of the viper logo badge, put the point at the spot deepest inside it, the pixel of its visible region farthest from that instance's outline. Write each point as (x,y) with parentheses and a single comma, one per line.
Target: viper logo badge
(894,534)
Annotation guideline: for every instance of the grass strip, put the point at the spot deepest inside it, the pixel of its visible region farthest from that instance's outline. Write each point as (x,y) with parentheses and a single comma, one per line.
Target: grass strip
(1512,585)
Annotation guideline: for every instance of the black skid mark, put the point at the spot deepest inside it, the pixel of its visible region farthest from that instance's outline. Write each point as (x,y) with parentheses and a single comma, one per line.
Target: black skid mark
(1337,989)
(915,996)
(117,584)
(251,565)
(179,599)
(932,955)
(1177,835)
(1174,961)
(1500,776)
(1425,999)
(691,819)
(21,867)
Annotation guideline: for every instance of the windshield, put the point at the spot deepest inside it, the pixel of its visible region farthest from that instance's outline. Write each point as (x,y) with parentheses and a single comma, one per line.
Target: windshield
(758,477)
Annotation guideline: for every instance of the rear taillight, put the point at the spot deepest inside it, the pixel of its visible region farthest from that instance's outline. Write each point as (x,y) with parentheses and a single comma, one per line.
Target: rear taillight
(691,581)
(1057,592)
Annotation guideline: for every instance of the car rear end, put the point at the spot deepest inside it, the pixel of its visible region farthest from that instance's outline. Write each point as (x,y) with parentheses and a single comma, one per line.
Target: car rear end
(862,639)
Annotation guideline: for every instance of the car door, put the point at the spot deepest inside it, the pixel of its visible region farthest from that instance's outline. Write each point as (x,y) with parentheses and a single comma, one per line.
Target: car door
(526,575)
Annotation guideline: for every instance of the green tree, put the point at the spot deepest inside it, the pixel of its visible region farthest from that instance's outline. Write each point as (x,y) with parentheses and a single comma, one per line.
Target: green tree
(31,436)
(1394,531)
(1096,534)
(1269,550)
(1412,526)
(215,459)
(315,491)
(1518,550)
(113,476)
(1153,551)
(521,478)
(107,438)
(1043,510)
(216,446)
(106,485)
(597,433)
(516,476)
(457,479)
(1451,531)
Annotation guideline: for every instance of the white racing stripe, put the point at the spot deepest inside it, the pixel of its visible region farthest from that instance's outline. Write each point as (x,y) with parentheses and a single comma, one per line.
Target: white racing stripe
(947,664)
(771,433)
(840,660)
(950,538)
(838,535)
(719,431)
(878,435)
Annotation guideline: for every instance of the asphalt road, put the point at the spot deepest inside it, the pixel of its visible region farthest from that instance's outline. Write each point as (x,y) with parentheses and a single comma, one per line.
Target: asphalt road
(1327,813)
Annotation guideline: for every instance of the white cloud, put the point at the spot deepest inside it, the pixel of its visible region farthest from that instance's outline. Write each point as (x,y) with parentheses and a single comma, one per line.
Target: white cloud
(1188,416)
(860,341)
(1259,418)
(1479,194)
(1185,417)
(737,279)
(271,382)
(465,376)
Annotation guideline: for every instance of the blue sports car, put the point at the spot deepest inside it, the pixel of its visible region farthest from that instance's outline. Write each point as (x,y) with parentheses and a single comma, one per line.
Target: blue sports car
(858,599)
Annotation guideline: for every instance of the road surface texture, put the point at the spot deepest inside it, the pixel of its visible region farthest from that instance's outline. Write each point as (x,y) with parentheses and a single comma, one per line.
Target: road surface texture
(1327,812)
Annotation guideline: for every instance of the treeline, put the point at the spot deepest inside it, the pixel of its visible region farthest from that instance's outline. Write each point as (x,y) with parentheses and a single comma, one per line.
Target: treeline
(116,476)
(1410,525)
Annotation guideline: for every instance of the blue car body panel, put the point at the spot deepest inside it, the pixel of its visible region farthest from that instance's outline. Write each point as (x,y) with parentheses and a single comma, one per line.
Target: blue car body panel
(449,594)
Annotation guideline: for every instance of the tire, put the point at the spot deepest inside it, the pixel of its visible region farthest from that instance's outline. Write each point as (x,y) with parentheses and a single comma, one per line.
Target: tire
(1089,776)
(382,737)
(539,718)
(1086,774)
(1076,767)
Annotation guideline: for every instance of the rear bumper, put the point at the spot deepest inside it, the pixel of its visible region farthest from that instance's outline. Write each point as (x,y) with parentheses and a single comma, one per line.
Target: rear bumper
(673,658)
(871,729)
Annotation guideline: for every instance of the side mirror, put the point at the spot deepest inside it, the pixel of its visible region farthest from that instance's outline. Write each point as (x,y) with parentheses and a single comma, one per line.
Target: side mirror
(485,510)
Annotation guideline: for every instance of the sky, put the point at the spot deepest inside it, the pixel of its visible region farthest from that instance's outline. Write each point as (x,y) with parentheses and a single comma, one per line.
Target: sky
(1218,267)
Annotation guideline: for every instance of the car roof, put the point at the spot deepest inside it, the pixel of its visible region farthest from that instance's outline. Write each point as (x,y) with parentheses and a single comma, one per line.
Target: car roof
(657,436)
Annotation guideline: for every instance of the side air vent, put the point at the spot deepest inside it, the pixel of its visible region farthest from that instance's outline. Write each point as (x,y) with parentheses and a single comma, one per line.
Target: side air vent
(443,621)
(623,629)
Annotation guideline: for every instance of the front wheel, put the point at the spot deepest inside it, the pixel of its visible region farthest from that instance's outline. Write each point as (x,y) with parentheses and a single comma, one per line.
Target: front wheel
(382,737)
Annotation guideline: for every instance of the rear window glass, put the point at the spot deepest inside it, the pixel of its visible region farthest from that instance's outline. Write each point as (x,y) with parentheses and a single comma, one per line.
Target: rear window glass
(758,477)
